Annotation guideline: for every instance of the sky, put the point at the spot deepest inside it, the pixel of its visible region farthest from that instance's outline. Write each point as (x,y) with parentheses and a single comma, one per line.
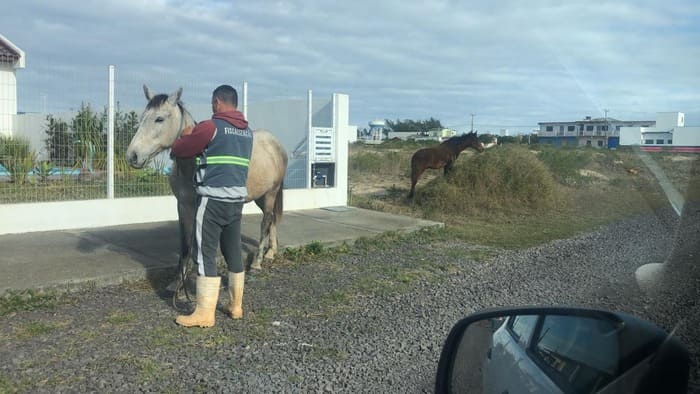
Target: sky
(510,63)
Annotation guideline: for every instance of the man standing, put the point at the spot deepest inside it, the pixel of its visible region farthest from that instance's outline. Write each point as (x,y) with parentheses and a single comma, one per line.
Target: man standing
(222,147)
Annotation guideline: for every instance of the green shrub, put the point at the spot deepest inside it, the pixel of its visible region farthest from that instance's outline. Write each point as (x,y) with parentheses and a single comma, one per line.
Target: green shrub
(503,179)
(365,162)
(565,163)
(17,157)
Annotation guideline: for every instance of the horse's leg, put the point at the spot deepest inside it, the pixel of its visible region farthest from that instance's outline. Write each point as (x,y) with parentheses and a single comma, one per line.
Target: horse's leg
(448,167)
(267,205)
(416,172)
(277,212)
(185,215)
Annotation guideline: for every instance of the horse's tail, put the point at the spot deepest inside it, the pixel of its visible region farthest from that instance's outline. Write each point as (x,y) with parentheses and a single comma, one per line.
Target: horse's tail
(279,204)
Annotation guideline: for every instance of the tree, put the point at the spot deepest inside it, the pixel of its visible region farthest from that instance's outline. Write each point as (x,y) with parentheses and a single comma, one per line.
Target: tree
(89,136)
(420,126)
(83,141)
(59,141)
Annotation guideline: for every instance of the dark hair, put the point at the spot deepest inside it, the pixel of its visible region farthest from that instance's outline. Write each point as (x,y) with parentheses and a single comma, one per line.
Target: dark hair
(226,94)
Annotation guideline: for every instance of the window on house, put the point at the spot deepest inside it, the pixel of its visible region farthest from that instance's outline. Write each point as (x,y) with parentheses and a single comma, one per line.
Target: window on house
(589,128)
(598,127)
(604,127)
(550,128)
(648,142)
(600,143)
(561,128)
(617,128)
(669,141)
(571,128)
(660,142)
(581,127)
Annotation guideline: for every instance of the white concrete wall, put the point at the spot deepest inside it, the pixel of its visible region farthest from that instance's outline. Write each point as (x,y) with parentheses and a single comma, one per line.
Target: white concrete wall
(630,135)
(33,127)
(669,120)
(686,136)
(66,215)
(8,98)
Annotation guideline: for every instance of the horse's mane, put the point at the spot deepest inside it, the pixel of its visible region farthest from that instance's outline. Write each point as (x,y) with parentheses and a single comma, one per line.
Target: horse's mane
(458,138)
(157,100)
(160,99)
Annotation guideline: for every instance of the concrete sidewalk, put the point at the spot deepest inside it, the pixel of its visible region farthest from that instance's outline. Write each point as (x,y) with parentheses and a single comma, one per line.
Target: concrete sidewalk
(112,254)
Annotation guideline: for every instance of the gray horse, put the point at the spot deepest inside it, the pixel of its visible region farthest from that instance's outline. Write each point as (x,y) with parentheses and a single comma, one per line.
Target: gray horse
(162,123)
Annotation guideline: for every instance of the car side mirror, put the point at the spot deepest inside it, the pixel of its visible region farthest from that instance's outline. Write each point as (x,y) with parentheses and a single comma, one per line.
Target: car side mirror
(550,349)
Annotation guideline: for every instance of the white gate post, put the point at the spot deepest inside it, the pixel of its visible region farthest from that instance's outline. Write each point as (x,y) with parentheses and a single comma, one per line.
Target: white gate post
(245,99)
(309,137)
(110,135)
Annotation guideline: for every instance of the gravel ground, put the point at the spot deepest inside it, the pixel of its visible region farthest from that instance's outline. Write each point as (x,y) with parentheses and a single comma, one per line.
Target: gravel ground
(369,320)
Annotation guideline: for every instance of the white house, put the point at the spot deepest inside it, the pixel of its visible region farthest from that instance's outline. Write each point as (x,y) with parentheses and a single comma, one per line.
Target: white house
(11,58)
(669,133)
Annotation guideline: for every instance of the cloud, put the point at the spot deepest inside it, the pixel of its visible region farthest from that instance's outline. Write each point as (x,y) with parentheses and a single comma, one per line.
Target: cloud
(509,62)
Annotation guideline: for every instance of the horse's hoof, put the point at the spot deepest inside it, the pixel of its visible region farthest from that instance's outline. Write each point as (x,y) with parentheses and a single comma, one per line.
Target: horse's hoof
(256,266)
(270,255)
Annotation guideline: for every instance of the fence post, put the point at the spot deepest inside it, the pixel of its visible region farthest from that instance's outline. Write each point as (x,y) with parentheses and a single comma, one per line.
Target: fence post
(245,99)
(110,135)
(309,137)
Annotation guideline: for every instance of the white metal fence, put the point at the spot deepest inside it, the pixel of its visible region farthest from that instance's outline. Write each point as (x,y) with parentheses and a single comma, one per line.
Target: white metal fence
(70,144)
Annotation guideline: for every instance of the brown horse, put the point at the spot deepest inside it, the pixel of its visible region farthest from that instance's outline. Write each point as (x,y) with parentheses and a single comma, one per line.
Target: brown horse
(443,155)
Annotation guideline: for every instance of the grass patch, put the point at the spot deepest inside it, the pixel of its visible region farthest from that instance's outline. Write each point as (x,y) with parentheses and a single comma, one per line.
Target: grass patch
(164,337)
(28,300)
(565,163)
(35,329)
(11,386)
(150,370)
(328,353)
(511,177)
(514,197)
(121,317)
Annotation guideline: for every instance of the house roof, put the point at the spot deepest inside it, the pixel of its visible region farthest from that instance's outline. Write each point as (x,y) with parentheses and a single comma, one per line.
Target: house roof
(10,53)
(597,120)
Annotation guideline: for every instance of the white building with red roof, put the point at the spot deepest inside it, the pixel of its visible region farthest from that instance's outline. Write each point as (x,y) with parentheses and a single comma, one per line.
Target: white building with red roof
(11,58)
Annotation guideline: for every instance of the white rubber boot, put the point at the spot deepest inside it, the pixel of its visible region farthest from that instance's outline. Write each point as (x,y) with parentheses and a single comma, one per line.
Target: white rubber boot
(205,311)
(236,282)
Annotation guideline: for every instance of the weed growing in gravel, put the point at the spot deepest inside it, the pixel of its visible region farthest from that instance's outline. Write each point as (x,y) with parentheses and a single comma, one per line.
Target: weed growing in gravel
(29,300)
(328,353)
(308,251)
(121,317)
(150,370)
(8,385)
(164,337)
(34,329)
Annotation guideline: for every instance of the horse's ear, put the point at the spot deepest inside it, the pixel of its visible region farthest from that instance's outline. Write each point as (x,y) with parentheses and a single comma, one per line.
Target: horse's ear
(175,97)
(147,92)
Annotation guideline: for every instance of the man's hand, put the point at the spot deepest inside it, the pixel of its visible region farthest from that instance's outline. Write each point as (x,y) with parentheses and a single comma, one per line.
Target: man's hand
(187,130)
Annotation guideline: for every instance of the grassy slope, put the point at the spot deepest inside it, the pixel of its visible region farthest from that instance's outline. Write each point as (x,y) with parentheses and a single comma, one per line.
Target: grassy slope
(581,202)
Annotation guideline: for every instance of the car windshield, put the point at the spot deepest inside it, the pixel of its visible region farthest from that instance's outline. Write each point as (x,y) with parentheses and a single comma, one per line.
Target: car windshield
(424,161)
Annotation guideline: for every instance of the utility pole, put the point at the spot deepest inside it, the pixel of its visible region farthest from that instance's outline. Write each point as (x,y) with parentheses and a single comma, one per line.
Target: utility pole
(607,131)
(473,122)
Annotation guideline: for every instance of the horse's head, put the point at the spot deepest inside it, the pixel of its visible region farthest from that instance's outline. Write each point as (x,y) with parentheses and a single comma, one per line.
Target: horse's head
(161,123)
(475,143)
(464,141)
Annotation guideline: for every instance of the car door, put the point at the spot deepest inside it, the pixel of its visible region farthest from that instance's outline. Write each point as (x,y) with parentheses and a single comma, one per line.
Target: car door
(508,368)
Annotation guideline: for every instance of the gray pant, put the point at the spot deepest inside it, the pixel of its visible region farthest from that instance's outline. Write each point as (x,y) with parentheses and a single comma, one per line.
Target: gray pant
(217,223)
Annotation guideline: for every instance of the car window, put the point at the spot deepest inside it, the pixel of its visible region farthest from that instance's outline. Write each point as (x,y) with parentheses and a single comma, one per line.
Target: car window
(522,328)
(580,354)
